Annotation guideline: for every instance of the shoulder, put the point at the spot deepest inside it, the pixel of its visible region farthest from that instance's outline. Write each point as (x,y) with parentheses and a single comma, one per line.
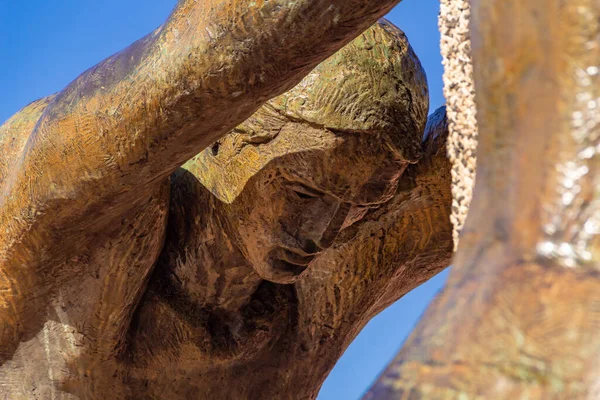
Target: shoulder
(16,130)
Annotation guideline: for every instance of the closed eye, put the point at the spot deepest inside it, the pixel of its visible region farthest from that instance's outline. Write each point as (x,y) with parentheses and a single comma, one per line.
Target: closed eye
(303,195)
(304,192)
(368,207)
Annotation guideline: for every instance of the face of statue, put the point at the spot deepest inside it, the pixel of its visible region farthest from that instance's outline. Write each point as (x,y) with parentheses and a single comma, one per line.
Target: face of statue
(288,185)
(294,207)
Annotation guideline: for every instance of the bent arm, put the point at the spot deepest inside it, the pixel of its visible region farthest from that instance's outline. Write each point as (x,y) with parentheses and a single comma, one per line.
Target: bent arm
(118,130)
(135,117)
(378,260)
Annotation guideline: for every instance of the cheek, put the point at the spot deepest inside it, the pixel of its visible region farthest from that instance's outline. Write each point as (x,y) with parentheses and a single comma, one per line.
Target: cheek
(260,228)
(256,238)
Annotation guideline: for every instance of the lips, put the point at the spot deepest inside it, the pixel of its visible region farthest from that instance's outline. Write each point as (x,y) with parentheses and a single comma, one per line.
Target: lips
(288,264)
(295,258)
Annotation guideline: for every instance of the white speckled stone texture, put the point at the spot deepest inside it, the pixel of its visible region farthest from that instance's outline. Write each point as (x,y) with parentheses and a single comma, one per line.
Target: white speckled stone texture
(460,101)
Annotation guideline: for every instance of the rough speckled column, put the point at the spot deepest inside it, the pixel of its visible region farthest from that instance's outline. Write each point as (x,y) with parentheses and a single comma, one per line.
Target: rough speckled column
(460,104)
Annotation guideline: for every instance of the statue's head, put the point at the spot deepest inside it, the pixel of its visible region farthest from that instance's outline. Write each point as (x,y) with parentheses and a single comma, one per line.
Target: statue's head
(315,159)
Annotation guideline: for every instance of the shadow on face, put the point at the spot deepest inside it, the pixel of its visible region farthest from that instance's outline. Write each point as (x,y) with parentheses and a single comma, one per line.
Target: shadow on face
(313,160)
(316,183)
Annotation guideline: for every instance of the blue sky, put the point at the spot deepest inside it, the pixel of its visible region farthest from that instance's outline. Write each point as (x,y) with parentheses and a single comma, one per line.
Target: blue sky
(46,44)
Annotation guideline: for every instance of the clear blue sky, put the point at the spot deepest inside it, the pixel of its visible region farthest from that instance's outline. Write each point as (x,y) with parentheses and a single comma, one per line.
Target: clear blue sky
(46,44)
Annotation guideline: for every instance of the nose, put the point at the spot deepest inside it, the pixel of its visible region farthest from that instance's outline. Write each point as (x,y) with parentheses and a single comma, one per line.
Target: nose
(334,225)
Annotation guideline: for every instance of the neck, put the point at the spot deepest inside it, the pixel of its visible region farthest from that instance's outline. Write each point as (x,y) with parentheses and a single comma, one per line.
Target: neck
(200,260)
(202,291)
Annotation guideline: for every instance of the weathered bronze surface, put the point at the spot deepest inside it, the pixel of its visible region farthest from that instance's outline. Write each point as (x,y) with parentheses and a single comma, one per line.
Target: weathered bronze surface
(72,170)
(280,341)
(273,246)
(520,316)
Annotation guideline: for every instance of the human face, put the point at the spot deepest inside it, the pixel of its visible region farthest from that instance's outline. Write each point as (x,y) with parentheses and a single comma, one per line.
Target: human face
(295,206)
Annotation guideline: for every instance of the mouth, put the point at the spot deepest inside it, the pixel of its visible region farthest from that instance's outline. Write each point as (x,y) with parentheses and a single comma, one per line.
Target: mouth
(295,258)
(288,264)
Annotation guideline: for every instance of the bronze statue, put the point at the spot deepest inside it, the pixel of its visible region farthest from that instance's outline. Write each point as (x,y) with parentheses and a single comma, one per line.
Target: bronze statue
(232,297)
(223,279)
(79,161)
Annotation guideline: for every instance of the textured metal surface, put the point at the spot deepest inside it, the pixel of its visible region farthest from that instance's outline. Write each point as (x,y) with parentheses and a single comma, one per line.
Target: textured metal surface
(111,138)
(338,191)
(284,341)
(76,166)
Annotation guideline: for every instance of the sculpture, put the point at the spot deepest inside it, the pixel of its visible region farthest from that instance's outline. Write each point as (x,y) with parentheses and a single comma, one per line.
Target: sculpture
(73,166)
(216,308)
(536,94)
(273,340)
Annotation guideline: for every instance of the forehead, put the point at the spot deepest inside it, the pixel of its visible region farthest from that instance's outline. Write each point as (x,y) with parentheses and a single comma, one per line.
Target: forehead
(356,168)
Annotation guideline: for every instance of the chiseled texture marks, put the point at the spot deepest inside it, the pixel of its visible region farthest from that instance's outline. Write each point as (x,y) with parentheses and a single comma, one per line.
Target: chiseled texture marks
(68,330)
(111,138)
(374,86)
(459,91)
(521,314)
(74,355)
(286,339)
(208,319)
(15,132)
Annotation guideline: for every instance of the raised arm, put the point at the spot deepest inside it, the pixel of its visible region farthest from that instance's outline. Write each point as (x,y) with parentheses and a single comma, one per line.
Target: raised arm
(376,261)
(107,141)
(135,117)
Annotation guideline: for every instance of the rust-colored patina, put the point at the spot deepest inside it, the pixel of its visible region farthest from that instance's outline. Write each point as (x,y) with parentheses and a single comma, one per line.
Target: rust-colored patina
(108,141)
(272,247)
(521,313)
